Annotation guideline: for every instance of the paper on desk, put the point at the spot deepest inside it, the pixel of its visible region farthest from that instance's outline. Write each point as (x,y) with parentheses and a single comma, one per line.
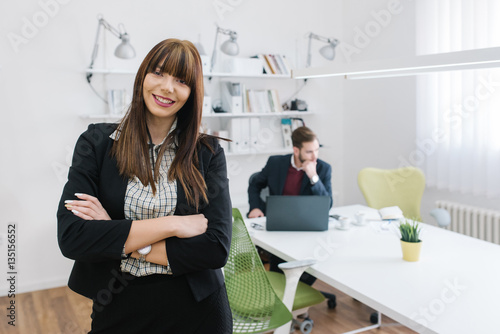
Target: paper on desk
(259,221)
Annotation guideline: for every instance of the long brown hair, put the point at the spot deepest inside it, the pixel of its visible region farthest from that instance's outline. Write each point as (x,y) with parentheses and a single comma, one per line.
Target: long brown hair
(181,60)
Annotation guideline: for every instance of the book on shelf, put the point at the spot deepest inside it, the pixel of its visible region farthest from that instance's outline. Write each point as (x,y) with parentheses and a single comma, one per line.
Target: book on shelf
(288,65)
(266,69)
(281,64)
(262,101)
(274,64)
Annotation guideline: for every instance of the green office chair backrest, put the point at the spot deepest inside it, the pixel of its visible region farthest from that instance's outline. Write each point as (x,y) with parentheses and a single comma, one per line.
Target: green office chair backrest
(403,187)
(255,306)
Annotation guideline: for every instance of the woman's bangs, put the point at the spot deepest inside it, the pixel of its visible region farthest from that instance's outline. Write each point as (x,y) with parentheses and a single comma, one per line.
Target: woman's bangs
(178,62)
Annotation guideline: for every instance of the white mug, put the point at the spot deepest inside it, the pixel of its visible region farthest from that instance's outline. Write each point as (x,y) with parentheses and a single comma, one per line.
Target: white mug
(344,222)
(360,218)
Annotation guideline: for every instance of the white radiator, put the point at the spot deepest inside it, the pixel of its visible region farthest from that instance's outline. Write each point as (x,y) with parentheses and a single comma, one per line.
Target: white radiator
(473,221)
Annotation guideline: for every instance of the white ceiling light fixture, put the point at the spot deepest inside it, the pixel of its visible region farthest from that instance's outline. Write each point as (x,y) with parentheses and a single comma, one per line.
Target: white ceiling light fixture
(451,61)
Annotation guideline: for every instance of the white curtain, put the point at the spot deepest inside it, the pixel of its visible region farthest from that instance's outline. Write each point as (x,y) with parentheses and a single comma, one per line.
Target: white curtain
(458,112)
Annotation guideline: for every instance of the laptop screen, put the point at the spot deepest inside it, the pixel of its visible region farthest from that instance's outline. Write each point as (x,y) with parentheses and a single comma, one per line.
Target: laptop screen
(297,213)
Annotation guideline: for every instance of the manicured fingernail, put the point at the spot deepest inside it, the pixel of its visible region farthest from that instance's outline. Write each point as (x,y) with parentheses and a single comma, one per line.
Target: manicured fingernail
(68,206)
(75,212)
(68,201)
(78,194)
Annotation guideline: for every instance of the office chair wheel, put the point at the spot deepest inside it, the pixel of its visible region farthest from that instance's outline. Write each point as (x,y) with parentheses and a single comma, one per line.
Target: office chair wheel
(332,302)
(306,326)
(374,317)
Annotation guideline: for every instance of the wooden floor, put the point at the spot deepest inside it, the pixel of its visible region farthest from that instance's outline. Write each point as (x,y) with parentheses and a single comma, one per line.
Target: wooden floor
(61,311)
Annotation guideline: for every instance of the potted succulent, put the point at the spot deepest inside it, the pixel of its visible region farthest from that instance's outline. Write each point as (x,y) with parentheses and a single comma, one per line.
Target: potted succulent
(410,239)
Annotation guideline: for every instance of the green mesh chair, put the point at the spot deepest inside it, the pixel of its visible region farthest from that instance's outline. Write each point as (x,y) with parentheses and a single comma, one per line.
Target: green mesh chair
(403,187)
(262,301)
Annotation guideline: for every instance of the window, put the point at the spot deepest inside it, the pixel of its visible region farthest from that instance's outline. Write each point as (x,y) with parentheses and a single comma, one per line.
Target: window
(458,112)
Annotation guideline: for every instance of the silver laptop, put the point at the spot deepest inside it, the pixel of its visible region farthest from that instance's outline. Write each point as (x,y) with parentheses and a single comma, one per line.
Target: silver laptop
(297,213)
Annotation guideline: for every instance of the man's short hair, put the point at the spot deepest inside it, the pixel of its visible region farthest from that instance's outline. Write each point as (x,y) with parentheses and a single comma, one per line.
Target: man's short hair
(302,135)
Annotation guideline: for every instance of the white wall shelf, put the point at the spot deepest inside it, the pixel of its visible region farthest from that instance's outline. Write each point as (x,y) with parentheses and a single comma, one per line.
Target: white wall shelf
(208,75)
(212,115)
(221,118)
(249,114)
(451,61)
(236,75)
(109,71)
(102,117)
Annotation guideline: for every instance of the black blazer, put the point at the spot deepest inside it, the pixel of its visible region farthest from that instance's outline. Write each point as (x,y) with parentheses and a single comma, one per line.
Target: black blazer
(96,246)
(273,175)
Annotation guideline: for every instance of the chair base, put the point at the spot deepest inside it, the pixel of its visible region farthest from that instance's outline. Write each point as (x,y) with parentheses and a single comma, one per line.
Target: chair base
(302,321)
(331,299)
(376,319)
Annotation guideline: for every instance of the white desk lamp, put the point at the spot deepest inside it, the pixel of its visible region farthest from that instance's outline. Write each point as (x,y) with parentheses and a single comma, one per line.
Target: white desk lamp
(229,47)
(327,51)
(124,50)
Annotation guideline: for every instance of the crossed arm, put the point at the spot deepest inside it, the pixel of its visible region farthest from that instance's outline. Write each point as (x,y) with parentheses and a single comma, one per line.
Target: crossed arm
(143,232)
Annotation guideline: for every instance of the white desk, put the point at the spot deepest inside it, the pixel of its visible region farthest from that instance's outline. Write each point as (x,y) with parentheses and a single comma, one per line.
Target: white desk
(454,288)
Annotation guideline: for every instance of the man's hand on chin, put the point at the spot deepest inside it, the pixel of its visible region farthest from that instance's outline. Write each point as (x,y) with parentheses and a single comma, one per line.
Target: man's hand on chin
(309,168)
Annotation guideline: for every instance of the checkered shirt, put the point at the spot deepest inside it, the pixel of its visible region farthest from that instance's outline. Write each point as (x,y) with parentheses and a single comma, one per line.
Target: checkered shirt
(140,203)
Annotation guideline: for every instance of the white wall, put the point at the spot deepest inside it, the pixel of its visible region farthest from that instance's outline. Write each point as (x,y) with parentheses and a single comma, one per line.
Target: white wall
(380,114)
(43,91)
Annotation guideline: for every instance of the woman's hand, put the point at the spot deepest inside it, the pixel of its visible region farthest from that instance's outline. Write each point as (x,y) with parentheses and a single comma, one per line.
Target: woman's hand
(88,208)
(191,226)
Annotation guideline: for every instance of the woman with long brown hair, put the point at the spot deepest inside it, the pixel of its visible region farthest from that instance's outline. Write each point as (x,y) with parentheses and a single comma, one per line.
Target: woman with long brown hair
(146,212)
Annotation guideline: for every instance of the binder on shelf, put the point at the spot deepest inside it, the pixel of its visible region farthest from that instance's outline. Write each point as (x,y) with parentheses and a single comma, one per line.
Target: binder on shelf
(232,100)
(207,105)
(224,144)
(234,134)
(286,131)
(255,143)
(245,134)
(239,130)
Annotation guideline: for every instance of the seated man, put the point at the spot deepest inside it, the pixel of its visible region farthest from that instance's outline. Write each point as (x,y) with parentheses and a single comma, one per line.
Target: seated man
(300,173)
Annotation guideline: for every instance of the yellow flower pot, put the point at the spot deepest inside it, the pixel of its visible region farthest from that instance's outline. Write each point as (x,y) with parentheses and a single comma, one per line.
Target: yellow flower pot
(411,250)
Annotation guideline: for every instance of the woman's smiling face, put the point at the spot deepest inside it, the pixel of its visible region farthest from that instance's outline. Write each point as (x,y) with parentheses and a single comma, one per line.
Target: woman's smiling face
(164,95)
